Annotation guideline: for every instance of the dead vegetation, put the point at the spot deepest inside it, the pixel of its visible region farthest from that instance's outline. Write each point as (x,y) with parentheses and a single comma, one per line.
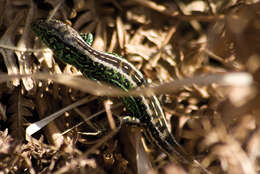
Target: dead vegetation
(166,40)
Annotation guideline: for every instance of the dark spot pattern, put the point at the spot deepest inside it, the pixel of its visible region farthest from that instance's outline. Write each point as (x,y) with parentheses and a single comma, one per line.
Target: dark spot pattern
(68,46)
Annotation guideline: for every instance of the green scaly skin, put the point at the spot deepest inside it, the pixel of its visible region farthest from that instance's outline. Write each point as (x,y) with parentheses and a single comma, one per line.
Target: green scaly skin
(90,69)
(75,49)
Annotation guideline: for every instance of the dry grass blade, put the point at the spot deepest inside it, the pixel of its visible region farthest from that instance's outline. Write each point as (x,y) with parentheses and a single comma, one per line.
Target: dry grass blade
(102,89)
(2,112)
(201,58)
(164,10)
(111,121)
(18,109)
(8,55)
(24,58)
(35,127)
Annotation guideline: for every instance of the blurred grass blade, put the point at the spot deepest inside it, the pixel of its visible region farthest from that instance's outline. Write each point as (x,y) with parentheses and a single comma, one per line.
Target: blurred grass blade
(102,89)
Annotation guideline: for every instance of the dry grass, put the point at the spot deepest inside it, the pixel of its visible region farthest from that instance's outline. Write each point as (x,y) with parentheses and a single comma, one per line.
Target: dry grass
(218,125)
